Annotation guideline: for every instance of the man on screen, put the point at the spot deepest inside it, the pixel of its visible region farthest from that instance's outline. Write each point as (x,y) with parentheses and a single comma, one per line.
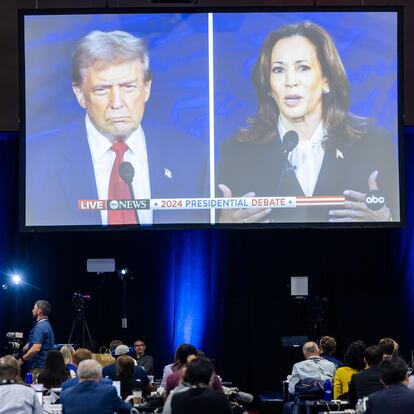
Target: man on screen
(112,83)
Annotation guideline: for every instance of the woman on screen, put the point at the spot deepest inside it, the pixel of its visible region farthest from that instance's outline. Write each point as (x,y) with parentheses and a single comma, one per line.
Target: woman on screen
(302,86)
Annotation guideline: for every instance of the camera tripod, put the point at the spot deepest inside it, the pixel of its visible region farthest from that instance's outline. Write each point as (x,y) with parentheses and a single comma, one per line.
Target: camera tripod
(79,328)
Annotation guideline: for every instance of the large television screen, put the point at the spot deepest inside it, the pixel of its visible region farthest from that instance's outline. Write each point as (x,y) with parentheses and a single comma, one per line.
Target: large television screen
(193,117)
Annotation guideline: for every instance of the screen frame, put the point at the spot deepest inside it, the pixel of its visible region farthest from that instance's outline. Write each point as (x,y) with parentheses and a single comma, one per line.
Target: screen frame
(193,9)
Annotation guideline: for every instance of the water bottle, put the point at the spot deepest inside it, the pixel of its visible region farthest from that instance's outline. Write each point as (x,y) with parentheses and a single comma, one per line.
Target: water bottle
(361,406)
(358,407)
(29,378)
(327,390)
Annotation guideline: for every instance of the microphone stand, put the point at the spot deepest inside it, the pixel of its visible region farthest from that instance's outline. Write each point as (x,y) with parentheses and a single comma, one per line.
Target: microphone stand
(126,172)
(131,192)
(287,167)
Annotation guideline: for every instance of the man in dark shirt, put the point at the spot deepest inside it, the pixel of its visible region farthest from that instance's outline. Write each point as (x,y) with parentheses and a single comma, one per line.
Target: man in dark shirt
(143,360)
(327,345)
(367,381)
(396,398)
(199,399)
(41,338)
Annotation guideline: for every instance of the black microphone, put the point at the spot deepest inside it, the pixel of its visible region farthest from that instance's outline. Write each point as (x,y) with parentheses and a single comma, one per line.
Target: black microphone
(127,172)
(289,142)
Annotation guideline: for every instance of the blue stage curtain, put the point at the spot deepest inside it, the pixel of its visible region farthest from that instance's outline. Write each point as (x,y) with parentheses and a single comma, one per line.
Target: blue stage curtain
(197,285)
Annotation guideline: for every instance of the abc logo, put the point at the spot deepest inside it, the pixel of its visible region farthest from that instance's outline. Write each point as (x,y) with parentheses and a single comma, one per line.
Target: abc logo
(113,204)
(375,200)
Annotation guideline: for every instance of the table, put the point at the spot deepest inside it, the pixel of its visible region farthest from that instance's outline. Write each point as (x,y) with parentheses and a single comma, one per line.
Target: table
(317,407)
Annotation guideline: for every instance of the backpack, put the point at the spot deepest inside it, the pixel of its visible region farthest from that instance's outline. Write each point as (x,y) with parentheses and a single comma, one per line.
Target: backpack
(309,386)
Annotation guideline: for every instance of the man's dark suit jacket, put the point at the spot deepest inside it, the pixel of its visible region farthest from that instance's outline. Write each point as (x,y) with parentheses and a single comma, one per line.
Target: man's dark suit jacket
(200,401)
(75,381)
(59,173)
(364,383)
(396,399)
(250,167)
(91,397)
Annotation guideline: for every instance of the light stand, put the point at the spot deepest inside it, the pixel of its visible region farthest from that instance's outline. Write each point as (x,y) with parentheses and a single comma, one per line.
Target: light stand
(124,275)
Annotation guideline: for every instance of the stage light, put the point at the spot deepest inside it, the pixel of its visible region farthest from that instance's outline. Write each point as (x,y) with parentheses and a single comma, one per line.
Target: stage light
(16,279)
(124,271)
(4,286)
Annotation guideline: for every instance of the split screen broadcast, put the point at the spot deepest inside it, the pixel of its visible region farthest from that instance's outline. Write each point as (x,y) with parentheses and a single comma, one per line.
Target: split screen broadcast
(232,118)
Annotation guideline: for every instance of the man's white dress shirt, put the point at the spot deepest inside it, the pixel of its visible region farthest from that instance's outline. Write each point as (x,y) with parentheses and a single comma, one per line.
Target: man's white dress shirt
(103,158)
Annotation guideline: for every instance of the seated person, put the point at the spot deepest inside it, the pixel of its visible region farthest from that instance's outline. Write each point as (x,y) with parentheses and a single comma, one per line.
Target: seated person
(143,360)
(90,395)
(396,398)
(184,354)
(354,362)
(125,373)
(314,367)
(389,347)
(366,382)
(168,370)
(54,373)
(81,354)
(14,396)
(68,352)
(199,398)
(113,344)
(110,370)
(327,345)
(411,382)
(11,360)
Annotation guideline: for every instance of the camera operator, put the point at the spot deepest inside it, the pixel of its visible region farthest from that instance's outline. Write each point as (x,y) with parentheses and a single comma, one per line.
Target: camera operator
(41,339)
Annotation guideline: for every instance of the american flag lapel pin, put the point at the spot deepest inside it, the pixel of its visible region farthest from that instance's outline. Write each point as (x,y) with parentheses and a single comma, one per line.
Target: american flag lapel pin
(168,173)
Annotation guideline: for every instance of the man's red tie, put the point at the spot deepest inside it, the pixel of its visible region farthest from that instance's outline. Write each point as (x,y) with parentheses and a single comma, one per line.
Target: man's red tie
(118,188)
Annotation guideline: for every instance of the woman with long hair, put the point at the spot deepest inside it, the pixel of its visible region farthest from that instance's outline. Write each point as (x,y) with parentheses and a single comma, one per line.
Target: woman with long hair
(353,363)
(125,373)
(54,372)
(12,361)
(303,141)
(68,351)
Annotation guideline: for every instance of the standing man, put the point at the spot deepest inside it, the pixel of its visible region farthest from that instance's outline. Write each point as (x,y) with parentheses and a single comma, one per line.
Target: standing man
(111,81)
(41,338)
(143,360)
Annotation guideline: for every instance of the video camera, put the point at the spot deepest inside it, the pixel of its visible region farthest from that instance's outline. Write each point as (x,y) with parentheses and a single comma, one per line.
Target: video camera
(14,343)
(78,301)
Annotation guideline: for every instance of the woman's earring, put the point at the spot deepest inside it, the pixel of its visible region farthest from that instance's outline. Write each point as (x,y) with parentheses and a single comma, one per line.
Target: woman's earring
(325,91)
(270,95)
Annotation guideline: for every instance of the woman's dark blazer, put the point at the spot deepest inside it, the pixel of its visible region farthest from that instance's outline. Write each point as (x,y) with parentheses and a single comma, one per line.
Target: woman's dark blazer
(251,167)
